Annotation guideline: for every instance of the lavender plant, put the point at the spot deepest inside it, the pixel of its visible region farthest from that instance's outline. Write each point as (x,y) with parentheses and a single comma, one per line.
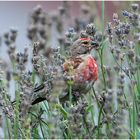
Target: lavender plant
(87,87)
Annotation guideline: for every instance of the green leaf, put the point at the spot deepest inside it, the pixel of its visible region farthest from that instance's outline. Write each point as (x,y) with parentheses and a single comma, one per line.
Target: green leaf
(33,76)
(104,43)
(138,133)
(89,108)
(62,110)
(35,133)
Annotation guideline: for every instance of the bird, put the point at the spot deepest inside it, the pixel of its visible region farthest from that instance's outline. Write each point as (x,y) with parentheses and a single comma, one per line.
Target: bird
(80,67)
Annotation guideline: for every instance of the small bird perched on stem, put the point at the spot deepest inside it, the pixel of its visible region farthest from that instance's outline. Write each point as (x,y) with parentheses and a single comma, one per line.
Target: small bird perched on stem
(79,69)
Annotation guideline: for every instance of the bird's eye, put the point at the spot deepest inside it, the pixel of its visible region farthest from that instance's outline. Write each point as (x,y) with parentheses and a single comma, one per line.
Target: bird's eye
(86,42)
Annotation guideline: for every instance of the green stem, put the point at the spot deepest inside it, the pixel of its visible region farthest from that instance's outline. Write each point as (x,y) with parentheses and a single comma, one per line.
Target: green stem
(101,53)
(23,135)
(99,118)
(16,118)
(130,122)
(42,131)
(103,16)
(41,120)
(98,103)
(7,126)
(70,93)
(92,111)
(102,67)
(134,117)
(86,125)
(47,108)
(95,96)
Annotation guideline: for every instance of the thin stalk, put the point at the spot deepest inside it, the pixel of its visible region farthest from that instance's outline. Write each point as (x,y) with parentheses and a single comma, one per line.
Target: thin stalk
(102,67)
(138,80)
(121,67)
(23,135)
(134,108)
(7,126)
(99,106)
(92,113)
(134,117)
(99,119)
(86,125)
(70,93)
(101,51)
(42,131)
(135,112)
(46,107)
(16,118)
(38,118)
(95,96)
(100,112)
(130,122)
(7,119)
(103,16)
(69,133)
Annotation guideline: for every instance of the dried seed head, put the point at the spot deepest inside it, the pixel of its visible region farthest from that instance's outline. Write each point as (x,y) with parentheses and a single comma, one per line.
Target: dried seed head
(12,47)
(6,35)
(54,16)
(32,29)
(135,6)
(61,40)
(108,69)
(131,45)
(133,69)
(118,51)
(127,14)
(122,75)
(91,29)
(110,92)
(126,70)
(121,56)
(127,29)
(8,75)
(38,9)
(122,81)
(62,10)
(109,28)
(42,44)
(112,49)
(136,36)
(131,54)
(115,16)
(135,16)
(83,34)
(85,9)
(13,31)
(42,19)
(98,36)
(137,59)
(118,31)
(116,68)
(70,33)
(134,82)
